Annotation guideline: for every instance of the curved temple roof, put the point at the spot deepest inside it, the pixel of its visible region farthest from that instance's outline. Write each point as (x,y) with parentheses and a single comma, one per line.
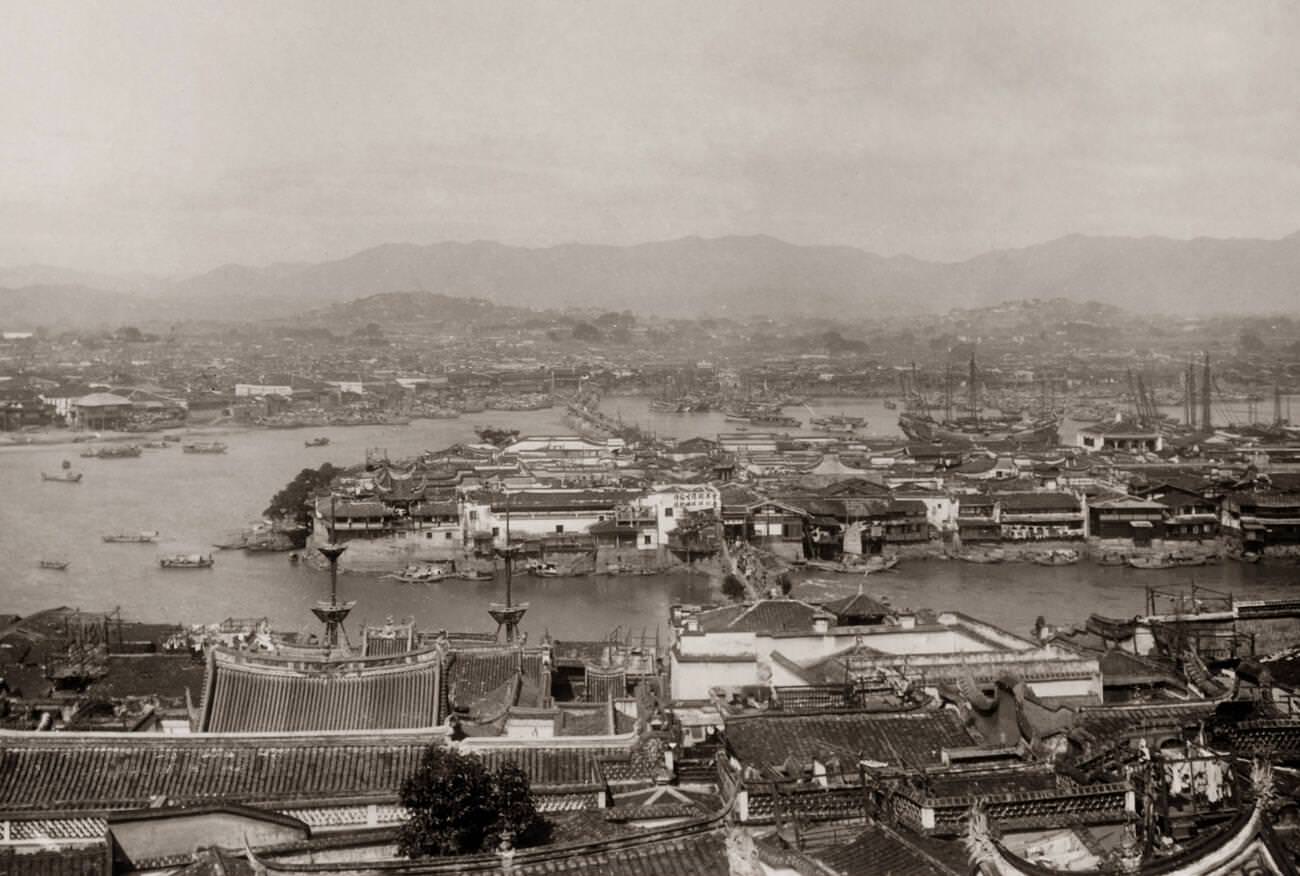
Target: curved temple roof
(254,693)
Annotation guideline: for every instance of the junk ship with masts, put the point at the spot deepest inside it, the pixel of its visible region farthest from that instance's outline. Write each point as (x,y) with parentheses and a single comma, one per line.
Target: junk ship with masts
(975,424)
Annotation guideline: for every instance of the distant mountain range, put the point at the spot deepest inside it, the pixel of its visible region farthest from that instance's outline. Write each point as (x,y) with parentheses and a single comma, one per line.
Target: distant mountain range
(691,277)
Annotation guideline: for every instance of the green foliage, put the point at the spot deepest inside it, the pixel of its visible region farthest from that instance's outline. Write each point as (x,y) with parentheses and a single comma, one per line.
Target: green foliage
(292,501)
(457,807)
(585,331)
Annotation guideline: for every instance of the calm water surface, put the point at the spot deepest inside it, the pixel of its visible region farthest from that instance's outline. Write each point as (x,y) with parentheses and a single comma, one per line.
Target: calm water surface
(196,500)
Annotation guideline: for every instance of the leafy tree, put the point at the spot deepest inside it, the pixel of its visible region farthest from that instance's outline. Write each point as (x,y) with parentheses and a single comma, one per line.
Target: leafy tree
(291,502)
(585,331)
(457,807)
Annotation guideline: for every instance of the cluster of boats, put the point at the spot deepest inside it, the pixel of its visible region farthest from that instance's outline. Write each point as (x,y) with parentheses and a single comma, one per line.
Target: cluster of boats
(427,573)
(1070,556)
(1054,557)
(1174,560)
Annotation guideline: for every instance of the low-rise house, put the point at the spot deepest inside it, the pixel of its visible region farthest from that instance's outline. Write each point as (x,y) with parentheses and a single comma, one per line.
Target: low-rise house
(101,410)
(1127,518)
(1188,514)
(1039,516)
(977,518)
(1263,521)
(1120,435)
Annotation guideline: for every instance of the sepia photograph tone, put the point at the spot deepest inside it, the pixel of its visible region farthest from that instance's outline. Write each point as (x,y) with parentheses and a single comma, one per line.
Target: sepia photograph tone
(596,438)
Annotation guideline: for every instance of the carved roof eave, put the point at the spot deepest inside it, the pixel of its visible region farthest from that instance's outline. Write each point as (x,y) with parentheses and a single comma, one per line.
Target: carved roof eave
(1221,852)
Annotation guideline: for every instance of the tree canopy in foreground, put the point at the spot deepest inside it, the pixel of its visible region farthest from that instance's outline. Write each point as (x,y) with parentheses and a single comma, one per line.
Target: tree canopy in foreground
(456,806)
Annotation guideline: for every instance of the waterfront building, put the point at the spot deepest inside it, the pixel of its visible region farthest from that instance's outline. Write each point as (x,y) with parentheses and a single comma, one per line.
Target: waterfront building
(101,410)
(1120,435)
(1038,516)
(1263,520)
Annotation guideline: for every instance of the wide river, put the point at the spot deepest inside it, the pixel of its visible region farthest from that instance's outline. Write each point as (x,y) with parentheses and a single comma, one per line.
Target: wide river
(196,500)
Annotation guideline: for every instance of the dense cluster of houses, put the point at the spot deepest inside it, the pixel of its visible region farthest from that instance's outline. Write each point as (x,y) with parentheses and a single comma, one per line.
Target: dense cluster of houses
(569,494)
(773,737)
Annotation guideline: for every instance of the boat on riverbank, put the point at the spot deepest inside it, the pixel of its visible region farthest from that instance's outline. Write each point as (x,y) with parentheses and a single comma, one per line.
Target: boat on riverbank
(186,561)
(143,537)
(56,565)
(543,570)
(1064,557)
(322,441)
(1152,561)
(1112,558)
(419,573)
(67,477)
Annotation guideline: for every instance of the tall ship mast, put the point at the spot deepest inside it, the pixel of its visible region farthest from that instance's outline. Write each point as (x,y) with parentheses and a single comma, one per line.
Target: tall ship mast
(974,424)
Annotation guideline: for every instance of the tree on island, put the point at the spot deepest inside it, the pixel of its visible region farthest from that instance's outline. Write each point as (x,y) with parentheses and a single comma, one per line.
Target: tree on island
(456,806)
(292,503)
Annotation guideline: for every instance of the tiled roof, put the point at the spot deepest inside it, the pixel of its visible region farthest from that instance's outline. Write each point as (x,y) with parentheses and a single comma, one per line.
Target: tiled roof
(91,861)
(473,673)
(764,616)
(128,771)
(1110,724)
(552,765)
(1014,502)
(251,693)
(858,605)
(881,851)
(915,738)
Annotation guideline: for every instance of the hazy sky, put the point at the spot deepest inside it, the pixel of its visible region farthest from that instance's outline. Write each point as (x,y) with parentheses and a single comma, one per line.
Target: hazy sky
(176,136)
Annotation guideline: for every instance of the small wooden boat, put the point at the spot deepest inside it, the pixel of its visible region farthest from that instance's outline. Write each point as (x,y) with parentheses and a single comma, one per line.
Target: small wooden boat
(204,447)
(60,565)
(474,575)
(543,570)
(982,556)
(1112,558)
(322,441)
(143,537)
(67,477)
(1187,558)
(881,562)
(186,561)
(1152,561)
